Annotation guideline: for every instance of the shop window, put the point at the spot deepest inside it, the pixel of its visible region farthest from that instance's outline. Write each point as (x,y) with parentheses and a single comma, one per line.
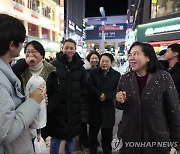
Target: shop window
(57,1)
(46,11)
(45,33)
(161,8)
(32,30)
(19,1)
(33,5)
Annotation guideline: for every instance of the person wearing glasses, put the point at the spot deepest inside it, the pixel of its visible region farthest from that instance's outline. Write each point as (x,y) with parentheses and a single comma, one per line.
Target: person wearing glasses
(149,100)
(34,63)
(16,113)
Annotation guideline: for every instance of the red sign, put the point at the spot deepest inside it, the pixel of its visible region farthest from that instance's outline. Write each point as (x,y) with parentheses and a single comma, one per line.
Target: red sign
(34,16)
(106,28)
(163,43)
(17,9)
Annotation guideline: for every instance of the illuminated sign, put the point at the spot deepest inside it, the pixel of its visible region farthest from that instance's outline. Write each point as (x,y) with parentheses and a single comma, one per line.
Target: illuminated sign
(71,25)
(78,28)
(162,30)
(106,28)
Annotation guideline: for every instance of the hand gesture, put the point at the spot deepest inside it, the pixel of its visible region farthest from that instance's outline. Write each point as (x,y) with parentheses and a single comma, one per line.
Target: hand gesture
(121,96)
(102,98)
(30,59)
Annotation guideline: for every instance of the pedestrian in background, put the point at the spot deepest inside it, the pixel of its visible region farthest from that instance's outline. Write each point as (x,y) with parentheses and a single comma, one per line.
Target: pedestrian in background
(65,88)
(102,84)
(172,56)
(149,100)
(16,113)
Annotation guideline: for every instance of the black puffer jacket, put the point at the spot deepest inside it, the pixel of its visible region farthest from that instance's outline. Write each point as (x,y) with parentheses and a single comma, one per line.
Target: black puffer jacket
(64,89)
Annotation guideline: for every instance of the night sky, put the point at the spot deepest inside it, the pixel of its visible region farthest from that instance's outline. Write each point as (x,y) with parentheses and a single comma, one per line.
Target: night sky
(112,7)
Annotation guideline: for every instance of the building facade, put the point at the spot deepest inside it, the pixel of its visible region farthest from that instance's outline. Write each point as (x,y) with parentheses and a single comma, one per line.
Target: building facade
(43,20)
(156,21)
(74,22)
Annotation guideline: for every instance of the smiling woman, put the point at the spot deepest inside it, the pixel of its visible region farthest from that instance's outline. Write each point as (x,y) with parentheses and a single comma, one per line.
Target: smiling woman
(150,102)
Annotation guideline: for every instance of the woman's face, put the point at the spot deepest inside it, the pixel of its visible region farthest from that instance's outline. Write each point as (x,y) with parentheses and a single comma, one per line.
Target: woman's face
(94,60)
(31,51)
(105,63)
(137,59)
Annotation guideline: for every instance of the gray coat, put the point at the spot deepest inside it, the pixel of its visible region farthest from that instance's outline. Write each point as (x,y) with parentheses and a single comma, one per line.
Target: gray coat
(152,117)
(15,116)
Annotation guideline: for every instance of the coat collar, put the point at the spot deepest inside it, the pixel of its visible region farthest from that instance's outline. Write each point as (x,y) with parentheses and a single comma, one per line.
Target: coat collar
(6,69)
(63,58)
(135,88)
(176,66)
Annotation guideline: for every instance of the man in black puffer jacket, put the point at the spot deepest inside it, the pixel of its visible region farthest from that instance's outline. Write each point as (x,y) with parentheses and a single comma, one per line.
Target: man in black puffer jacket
(64,89)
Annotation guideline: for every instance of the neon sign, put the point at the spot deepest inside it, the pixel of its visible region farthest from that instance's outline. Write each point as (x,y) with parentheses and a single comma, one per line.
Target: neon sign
(162,30)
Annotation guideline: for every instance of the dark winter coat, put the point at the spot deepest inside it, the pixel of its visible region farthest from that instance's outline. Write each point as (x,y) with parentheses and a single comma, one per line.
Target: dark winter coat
(85,97)
(175,74)
(85,103)
(102,114)
(64,89)
(153,117)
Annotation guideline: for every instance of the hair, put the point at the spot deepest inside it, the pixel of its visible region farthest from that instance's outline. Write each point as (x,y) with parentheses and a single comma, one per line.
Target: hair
(175,48)
(108,55)
(92,53)
(162,52)
(11,29)
(38,46)
(69,40)
(148,50)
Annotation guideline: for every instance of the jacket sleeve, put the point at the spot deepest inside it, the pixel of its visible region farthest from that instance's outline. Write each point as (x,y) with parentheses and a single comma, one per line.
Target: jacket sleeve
(90,88)
(13,121)
(20,67)
(173,111)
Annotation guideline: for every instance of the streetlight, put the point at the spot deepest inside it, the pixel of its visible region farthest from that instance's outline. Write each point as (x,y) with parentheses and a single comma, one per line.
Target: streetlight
(102,11)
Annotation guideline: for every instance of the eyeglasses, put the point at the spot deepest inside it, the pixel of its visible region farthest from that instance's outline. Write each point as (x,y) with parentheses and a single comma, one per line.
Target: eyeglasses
(133,54)
(33,51)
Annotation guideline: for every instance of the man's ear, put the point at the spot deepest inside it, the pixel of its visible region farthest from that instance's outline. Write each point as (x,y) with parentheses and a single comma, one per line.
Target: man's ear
(11,46)
(176,54)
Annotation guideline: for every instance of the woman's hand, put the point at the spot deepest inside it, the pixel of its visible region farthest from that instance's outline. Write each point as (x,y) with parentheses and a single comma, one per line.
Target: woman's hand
(121,96)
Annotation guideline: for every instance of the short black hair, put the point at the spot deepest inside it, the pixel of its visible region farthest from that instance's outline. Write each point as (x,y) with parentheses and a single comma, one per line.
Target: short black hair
(175,48)
(38,46)
(108,55)
(148,50)
(162,52)
(92,53)
(69,40)
(11,29)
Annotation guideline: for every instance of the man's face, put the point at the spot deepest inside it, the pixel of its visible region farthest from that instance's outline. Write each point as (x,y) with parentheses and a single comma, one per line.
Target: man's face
(169,55)
(69,48)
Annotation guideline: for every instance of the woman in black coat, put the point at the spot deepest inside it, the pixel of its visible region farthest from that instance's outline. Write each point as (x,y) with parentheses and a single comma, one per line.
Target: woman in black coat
(102,83)
(147,94)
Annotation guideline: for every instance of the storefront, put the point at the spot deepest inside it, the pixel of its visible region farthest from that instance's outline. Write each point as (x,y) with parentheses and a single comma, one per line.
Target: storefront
(160,34)
(38,26)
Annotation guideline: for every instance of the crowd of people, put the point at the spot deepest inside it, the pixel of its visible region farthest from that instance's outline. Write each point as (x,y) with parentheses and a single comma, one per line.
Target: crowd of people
(82,95)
